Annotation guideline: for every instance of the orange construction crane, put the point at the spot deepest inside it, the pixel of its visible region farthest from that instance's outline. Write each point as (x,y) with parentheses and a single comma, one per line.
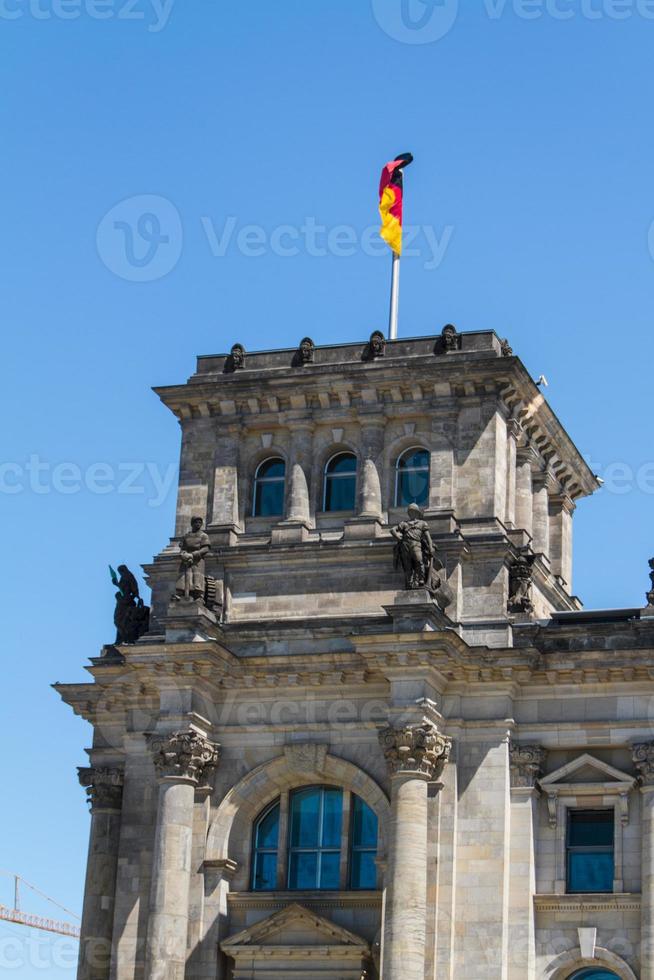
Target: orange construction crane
(36,921)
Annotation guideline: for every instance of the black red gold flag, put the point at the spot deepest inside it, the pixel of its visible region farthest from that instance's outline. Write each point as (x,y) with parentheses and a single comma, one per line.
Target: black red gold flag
(390,201)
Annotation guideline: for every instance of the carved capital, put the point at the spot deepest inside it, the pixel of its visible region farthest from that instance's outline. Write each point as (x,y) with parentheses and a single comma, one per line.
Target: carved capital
(185,757)
(103,785)
(420,750)
(643,756)
(526,763)
(544,479)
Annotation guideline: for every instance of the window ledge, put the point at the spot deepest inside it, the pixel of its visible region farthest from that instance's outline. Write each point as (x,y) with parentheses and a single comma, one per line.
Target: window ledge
(311,899)
(600,902)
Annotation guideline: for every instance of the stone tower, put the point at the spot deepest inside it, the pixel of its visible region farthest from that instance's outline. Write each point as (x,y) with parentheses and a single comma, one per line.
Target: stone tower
(356,742)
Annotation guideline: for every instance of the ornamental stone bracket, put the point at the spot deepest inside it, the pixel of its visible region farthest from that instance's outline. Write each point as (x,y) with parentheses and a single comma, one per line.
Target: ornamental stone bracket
(415,750)
(185,757)
(526,764)
(103,785)
(643,758)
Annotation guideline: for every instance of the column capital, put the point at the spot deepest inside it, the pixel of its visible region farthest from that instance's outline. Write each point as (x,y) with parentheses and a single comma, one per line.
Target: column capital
(526,762)
(185,757)
(544,479)
(643,758)
(420,751)
(526,454)
(562,501)
(103,785)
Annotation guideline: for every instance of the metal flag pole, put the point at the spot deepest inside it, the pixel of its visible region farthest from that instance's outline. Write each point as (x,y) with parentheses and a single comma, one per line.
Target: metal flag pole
(395,297)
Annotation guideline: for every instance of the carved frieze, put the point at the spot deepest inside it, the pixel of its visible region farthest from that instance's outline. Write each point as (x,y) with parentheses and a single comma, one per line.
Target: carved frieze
(186,756)
(103,785)
(419,749)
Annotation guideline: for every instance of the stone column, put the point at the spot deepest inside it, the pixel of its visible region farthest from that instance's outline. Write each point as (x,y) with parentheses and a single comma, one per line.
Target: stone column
(182,760)
(104,790)
(298,509)
(525,767)
(372,447)
(415,755)
(225,511)
(643,755)
(525,458)
(561,511)
(542,483)
(513,433)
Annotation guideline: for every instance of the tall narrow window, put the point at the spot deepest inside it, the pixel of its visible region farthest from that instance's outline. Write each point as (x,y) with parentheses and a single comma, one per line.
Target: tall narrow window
(266,845)
(341,482)
(316,815)
(412,478)
(269,481)
(590,850)
(363,846)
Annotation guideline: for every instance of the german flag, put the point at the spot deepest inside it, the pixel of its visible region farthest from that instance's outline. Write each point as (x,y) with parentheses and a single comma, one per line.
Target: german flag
(390,201)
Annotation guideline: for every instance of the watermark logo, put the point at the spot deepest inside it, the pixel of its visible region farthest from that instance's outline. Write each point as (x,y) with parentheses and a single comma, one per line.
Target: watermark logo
(155,14)
(416,21)
(140,239)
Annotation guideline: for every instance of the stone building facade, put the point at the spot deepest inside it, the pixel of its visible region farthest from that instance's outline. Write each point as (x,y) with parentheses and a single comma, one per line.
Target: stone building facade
(321,767)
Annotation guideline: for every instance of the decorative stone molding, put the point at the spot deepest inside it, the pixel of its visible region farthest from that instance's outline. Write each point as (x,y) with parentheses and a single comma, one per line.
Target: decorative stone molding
(418,749)
(185,756)
(103,785)
(526,763)
(643,757)
(306,758)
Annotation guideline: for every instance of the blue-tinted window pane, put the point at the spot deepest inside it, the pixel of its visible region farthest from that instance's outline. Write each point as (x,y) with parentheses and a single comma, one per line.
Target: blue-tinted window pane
(305,814)
(345,463)
(268,829)
(330,863)
(303,869)
(592,973)
(271,468)
(340,493)
(265,871)
(332,817)
(412,487)
(269,499)
(364,824)
(416,459)
(363,870)
(588,828)
(590,872)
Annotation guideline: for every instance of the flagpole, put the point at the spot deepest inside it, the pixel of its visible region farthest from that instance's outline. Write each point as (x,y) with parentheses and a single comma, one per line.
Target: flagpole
(395,297)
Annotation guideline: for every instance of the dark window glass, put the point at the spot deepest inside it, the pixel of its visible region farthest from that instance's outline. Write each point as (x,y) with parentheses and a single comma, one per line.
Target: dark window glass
(316,815)
(594,973)
(266,843)
(590,850)
(269,482)
(412,481)
(341,482)
(363,845)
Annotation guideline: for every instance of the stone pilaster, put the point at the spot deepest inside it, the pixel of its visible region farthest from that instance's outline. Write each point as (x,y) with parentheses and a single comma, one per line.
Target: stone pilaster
(525,763)
(643,756)
(561,511)
(104,790)
(415,755)
(525,459)
(298,510)
(513,433)
(183,761)
(542,482)
(225,505)
(372,445)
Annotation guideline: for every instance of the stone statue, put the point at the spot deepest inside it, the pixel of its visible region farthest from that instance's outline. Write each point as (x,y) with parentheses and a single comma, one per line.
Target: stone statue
(131,615)
(415,553)
(237,357)
(520,576)
(449,338)
(194,548)
(306,351)
(650,595)
(376,344)
(505,347)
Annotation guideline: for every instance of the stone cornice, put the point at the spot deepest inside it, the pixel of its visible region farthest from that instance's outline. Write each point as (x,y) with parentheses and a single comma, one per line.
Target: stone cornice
(616,902)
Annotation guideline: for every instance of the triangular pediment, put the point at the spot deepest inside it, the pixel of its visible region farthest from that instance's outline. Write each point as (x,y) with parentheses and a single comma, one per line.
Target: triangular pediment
(585,769)
(295,926)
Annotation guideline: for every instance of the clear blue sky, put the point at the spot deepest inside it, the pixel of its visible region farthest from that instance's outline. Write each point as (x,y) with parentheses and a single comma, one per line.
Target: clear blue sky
(534,157)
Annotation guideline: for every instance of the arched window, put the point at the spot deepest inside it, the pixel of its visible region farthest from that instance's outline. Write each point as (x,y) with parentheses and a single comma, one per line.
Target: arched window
(340,482)
(331,842)
(266,842)
(412,477)
(269,481)
(594,973)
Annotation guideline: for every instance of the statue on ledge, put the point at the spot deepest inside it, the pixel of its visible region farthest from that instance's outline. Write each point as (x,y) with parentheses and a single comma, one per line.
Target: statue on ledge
(650,595)
(194,548)
(415,553)
(131,615)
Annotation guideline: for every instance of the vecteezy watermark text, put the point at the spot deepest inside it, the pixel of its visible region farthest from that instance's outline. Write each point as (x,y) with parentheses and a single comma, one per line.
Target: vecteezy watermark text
(155,14)
(41,477)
